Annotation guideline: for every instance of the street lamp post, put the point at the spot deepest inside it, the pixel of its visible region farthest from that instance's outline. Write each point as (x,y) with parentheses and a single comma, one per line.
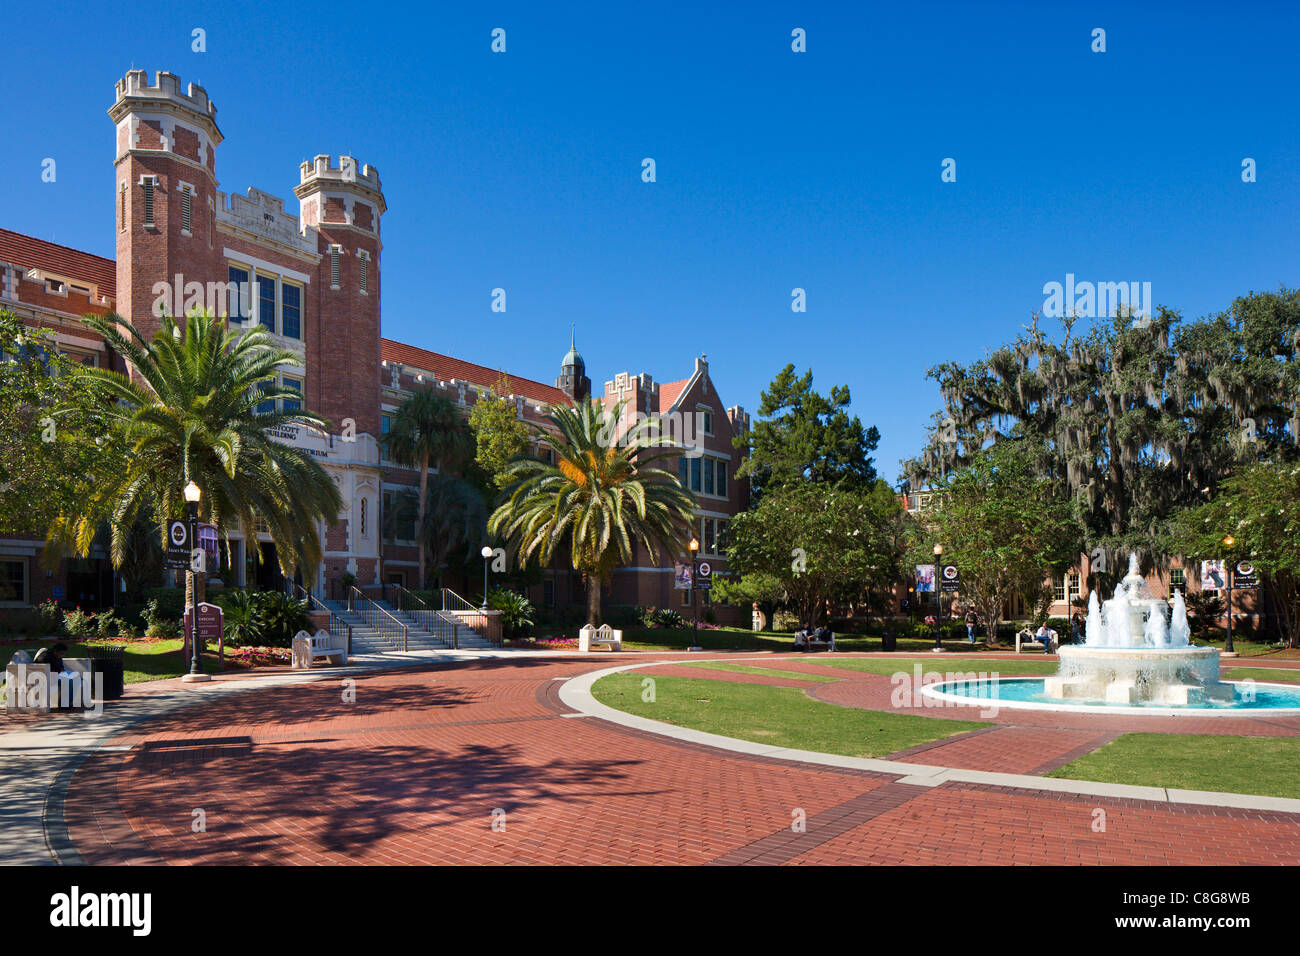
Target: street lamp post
(938,601)
(193,494)
(695,618)
(487,553)
(1228,568)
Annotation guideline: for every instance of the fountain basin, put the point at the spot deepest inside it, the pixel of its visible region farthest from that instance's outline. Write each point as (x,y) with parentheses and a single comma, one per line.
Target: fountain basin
(1178,676)
(1251,699)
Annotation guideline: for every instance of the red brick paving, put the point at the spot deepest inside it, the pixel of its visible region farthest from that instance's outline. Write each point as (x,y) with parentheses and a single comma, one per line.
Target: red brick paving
(413,771)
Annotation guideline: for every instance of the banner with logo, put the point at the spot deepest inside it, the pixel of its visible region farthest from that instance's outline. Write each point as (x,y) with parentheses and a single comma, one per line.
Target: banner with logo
(1212,578)
(951,580)
(1244,576)
(925,579)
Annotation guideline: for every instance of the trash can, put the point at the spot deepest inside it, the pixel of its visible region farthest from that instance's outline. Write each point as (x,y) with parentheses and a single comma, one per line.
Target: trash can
(111,662)
(888,642)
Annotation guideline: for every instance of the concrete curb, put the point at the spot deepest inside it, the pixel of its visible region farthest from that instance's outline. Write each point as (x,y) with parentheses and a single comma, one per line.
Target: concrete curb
(576,693)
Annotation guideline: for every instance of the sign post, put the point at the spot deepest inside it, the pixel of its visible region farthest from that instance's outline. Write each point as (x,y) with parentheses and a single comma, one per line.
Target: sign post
(211,627)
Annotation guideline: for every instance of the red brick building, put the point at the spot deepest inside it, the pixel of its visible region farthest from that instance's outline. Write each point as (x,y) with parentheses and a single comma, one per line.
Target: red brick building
(314,282)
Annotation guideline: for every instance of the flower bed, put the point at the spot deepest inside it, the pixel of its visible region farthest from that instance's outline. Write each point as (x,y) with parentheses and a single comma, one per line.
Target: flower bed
(250,657)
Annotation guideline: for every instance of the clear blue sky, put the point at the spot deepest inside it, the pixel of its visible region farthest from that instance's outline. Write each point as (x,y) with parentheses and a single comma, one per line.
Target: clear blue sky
(775,170)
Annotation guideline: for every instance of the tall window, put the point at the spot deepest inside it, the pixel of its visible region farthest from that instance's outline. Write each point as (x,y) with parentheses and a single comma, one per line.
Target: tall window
(1177,580)
(292,404)
(187,207)
(266,301)
(696,468)
(13,580)
(291,311)
(364,516)
(707,465)
(240,294)
(334,268)
(121,224)
(365,271)
(722,478)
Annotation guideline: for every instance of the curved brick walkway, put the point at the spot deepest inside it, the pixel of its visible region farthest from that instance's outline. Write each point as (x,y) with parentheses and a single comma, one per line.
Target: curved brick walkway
(424,763)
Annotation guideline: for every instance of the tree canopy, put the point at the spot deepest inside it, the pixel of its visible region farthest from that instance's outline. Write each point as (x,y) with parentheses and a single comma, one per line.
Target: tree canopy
(802,435)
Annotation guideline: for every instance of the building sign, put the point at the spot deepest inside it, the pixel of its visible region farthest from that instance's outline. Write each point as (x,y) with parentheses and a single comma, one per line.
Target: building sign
(703,576)
(1244,576)
(951,582)
(211,624)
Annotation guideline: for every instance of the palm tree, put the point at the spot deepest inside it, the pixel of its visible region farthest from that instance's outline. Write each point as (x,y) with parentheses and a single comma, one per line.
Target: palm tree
(602,496)
(456,519)
(191,414)
(427,430)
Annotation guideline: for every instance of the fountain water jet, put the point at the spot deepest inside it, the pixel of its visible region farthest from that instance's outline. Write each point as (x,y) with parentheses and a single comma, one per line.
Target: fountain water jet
(1131,654)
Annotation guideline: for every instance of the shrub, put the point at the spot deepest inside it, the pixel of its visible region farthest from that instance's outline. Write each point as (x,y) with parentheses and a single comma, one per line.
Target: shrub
(666,617)
(158,624)
(278,618)
(242,624)
(78,623)
(50,617)
(169,601)
(106,624)
(517,612)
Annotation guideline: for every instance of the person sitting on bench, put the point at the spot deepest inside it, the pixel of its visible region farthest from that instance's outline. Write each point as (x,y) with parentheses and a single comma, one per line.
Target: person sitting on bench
(824,635)
(52,655)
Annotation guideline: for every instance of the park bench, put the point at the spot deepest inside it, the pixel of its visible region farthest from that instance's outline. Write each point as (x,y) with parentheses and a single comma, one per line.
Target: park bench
(811,643)
(22,693)
(1025,638)
(599,635)
(308,647)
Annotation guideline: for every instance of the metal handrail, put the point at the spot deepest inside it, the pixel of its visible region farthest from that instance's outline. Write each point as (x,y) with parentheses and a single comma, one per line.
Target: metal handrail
(336,624)
(451,601)
(369,609)
(430,620)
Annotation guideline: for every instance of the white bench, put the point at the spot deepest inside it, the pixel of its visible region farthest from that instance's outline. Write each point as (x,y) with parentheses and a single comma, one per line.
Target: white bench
(1025,638)
(599,635)
(33,688)
(308,647)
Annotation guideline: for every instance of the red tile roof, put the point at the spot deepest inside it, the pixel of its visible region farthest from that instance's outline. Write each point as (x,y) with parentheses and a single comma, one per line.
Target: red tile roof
(669,392)
(32,253)
(447,368)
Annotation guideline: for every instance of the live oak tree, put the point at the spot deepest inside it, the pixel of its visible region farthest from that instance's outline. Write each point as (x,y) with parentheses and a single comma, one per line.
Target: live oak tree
(1260,508)
(54,442)
(1136,418)
(1005,528)
(823,544)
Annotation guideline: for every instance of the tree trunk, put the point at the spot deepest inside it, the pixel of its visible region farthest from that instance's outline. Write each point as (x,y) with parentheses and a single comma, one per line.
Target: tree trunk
(593,600)
(419,520)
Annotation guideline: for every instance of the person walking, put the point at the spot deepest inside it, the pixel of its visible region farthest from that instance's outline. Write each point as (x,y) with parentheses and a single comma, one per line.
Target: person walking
(972,621)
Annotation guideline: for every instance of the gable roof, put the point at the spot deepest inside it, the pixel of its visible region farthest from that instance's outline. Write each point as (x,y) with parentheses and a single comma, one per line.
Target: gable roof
(446,368)
(669,392)
(28,252)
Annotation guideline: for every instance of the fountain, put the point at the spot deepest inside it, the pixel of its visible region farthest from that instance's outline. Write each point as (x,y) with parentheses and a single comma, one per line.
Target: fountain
(1131,654)
(1136,659)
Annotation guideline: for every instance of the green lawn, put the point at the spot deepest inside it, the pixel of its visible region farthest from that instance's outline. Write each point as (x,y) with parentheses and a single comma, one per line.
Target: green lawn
(762,671)
(1245,648)
(782,716)
(144,660)
(1264,766)
(937,665)
(1273,675)
(743,639)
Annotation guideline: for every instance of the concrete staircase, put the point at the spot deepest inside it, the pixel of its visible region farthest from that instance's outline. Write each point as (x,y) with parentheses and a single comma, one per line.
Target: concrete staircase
(376,629)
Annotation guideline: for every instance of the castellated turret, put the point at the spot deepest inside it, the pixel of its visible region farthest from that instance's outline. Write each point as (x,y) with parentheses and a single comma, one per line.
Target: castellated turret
(165,190)
(343,204)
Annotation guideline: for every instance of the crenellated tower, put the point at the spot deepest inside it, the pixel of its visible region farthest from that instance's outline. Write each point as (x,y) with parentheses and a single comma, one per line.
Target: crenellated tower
(344,205)
(165,195)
